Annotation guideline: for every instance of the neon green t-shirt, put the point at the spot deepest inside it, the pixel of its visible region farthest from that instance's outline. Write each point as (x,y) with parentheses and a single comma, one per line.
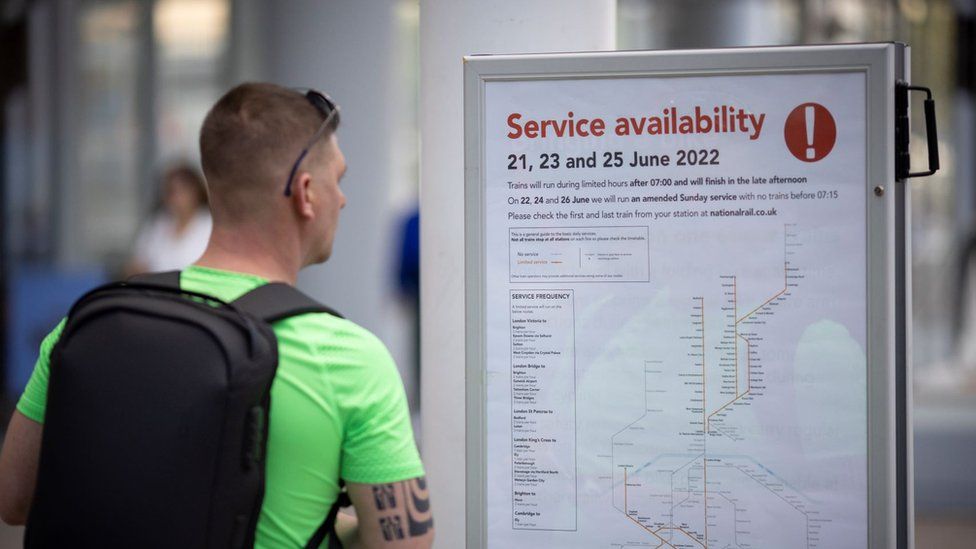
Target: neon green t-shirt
(338,409)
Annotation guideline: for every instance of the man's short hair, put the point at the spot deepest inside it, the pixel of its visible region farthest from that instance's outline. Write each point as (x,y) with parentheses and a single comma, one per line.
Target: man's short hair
(252,136)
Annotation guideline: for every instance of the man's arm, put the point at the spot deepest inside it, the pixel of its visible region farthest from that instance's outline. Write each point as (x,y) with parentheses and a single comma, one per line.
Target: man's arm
(18,468)
(390,516)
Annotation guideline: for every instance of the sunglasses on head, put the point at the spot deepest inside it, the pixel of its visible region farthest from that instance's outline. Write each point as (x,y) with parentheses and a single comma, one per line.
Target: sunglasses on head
(330,113)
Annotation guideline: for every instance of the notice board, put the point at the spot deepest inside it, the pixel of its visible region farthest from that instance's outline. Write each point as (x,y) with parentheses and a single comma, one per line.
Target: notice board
(685,300)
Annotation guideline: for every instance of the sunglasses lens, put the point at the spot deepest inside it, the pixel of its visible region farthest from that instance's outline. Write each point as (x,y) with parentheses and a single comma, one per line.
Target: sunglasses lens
(323,103)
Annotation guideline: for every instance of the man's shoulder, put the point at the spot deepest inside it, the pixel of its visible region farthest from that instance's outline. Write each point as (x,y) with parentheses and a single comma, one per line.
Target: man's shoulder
(335,337)
(327,325)
(329,351)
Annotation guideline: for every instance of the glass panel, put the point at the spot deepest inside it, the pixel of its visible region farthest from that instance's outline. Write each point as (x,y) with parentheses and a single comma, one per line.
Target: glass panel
(108,132)
(191,42)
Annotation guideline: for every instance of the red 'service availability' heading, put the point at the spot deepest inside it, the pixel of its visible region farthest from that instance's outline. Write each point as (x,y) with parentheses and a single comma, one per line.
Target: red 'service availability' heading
(721,119)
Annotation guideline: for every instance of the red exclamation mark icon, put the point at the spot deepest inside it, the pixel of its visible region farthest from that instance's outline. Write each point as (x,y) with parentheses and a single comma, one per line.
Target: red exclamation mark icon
(810,132)
(811,118)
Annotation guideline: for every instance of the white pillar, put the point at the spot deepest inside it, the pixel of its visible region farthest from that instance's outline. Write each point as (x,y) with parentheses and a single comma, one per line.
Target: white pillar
(353,51)
(346,50)
(449,30)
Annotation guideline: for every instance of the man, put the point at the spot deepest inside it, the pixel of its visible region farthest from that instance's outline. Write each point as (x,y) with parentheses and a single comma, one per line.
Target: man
(273,165)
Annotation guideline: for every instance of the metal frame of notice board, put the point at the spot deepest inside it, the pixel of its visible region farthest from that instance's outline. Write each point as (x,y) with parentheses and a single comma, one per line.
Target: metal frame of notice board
(889,451)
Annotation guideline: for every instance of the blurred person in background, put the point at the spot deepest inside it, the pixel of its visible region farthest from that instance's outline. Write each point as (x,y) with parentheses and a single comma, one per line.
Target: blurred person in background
(177,233)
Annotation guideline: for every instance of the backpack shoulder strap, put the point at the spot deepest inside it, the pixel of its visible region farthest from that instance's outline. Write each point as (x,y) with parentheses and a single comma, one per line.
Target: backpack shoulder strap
(167,279)
(327,528)
(278,300)
(275,301)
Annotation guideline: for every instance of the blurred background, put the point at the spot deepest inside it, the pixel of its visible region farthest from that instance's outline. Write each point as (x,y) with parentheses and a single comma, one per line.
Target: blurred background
(99,100)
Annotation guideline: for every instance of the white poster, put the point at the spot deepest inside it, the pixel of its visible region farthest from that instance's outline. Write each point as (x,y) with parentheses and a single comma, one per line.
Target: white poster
(675,312)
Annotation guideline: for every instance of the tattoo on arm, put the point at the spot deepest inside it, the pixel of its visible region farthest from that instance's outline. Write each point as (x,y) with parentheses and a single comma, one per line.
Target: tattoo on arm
(391,527)
(419,516)
(413,518)
(385,496)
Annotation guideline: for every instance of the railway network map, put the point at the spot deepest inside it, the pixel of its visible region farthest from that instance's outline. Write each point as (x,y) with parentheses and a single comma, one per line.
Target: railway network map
(675,312)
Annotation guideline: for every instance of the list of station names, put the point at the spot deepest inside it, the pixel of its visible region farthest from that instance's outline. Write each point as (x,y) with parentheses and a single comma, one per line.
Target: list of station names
(543,410)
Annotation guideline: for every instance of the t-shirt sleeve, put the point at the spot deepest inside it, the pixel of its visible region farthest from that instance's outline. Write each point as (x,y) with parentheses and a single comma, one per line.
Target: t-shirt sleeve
(378,446)
(34,399)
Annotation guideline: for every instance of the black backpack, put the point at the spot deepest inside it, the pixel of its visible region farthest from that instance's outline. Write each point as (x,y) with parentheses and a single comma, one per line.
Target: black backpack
(157,418)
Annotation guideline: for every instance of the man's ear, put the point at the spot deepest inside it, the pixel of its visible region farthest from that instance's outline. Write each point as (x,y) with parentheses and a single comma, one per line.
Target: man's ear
(302,195)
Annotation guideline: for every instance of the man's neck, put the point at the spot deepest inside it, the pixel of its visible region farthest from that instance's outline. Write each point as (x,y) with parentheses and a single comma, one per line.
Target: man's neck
(244,252)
